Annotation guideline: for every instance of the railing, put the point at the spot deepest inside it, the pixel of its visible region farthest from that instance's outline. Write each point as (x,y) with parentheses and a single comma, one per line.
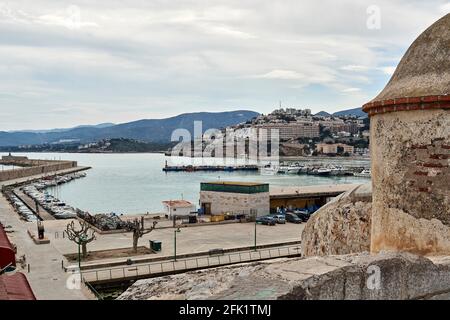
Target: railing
(181,265)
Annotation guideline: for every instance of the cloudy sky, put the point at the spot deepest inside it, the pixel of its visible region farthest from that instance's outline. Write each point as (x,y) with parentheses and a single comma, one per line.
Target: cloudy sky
(65,63)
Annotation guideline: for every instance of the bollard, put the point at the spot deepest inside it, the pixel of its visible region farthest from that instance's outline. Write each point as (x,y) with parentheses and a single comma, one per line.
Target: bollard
(62,264)
(28,268)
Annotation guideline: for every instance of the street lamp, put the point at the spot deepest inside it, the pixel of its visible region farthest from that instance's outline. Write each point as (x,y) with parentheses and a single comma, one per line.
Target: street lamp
(175,243)
(82,238)
(255,233)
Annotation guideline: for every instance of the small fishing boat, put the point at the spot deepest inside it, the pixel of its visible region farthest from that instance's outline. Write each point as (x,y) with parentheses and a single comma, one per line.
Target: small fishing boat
(323,172)
(366,173)
(269,170)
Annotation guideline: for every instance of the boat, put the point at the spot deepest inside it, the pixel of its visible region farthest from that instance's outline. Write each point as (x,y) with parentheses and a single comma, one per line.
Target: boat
(337,171)
(269,170)
(366,173)
(323,172)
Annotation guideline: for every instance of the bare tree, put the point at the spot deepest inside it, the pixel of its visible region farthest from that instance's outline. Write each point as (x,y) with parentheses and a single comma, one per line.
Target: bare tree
(137,227)
(82,236)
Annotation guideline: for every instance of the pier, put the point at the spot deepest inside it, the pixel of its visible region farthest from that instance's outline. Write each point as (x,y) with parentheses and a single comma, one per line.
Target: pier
(191,168)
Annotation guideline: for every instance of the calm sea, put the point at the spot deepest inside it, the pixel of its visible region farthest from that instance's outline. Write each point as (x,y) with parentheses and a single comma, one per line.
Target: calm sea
(135,183)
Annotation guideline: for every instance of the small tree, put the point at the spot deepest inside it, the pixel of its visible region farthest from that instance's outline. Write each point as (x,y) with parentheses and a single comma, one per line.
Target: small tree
(137,227)
(82,236)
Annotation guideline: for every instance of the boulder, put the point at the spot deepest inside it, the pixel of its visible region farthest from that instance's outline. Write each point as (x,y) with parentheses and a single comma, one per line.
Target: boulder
(340,227)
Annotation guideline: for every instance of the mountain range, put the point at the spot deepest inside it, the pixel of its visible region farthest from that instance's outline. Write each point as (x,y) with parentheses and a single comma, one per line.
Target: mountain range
(148,130)
(350,112)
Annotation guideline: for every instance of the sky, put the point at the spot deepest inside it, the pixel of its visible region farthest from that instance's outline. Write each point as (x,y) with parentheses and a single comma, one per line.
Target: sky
(67,63)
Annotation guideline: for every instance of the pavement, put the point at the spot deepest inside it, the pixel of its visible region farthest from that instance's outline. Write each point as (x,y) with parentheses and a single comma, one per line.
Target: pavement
(46,277)
(189,239)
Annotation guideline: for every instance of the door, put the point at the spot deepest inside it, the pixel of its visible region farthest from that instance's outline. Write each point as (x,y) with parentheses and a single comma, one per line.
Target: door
(206,208)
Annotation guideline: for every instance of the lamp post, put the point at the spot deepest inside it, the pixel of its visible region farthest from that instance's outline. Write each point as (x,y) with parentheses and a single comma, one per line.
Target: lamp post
(255,232)
(82,238)
(175,243)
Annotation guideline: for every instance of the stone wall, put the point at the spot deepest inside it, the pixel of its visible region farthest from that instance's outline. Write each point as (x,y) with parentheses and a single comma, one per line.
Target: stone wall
(410,175)
(352,277)
(342,226)
(223,202)
(35,167)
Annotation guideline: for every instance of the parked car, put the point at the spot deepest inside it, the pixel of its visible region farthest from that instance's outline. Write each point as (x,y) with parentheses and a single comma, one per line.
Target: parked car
(303,214)
(279,218)
(290,217)
(266,220)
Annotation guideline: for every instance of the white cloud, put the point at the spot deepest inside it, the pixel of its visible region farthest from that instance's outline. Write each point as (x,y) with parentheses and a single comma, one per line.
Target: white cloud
(282,75)
(130,59)
(351,90)
(445,8)
(388,70)
(355,68)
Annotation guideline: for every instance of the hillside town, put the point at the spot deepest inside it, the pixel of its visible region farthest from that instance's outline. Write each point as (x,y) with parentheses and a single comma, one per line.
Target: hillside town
(303,134)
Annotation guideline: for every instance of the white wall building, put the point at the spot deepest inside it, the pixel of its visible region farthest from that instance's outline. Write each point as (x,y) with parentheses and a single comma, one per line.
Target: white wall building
(178,208)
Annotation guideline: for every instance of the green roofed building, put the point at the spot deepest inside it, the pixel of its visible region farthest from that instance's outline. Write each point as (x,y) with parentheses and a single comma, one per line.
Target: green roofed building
(226,197)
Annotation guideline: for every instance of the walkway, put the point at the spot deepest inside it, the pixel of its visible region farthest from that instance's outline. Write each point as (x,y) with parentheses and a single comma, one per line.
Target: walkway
(169,266)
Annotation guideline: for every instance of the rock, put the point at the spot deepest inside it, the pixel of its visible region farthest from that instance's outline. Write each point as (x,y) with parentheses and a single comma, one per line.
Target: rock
(340,227)
(387,275)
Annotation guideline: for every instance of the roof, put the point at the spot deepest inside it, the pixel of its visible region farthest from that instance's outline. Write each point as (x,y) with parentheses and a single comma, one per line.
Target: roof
(425,68)
(310,191)
(232,183)
(178,203)
(4,241)
(15,287)
(7,252)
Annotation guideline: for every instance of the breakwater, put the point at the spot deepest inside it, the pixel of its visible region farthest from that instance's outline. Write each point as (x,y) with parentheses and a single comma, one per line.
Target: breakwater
(29,167)
(209,168)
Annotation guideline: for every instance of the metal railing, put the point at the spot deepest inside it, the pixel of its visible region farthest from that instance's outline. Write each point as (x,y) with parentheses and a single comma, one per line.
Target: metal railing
(182,265)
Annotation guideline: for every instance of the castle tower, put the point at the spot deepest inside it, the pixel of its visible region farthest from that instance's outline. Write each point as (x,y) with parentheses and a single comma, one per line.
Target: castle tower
(410,150)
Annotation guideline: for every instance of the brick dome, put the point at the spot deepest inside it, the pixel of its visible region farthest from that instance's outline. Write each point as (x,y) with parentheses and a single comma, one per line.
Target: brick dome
(422,79)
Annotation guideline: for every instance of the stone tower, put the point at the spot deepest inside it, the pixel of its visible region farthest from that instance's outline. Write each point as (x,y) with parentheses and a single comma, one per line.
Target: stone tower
(410,150)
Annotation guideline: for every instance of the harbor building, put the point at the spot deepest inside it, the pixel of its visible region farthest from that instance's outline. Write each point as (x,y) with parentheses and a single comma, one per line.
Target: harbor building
(306,196)
(217,198)
(334,148)
(410,150)
(288,131)
(178,208)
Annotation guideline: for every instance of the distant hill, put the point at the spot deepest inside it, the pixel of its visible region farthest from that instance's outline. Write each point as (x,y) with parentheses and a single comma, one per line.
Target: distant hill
(149,130)
(354,112)
(323,114)
(101,125)
(350,112)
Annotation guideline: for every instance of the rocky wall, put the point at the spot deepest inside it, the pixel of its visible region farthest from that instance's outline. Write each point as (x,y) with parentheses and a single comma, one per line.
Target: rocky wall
(411,188)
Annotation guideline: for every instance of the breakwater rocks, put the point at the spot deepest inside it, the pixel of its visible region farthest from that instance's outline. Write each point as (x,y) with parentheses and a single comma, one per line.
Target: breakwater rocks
(352,277)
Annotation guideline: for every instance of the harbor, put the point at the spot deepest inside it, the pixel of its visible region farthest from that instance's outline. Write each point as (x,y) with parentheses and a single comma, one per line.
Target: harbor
(34,200)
